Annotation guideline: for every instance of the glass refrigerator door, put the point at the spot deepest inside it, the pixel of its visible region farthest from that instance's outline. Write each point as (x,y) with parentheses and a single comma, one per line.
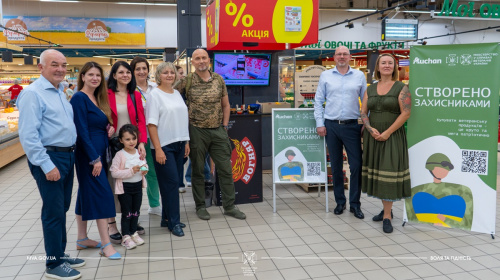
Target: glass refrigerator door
(286,87)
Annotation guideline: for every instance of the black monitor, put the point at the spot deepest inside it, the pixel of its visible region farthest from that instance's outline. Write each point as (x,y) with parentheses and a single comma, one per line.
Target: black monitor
(28,60)
(7,56)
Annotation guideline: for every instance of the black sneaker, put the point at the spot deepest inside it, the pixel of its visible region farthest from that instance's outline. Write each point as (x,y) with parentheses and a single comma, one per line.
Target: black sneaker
(387,226)
(380,217)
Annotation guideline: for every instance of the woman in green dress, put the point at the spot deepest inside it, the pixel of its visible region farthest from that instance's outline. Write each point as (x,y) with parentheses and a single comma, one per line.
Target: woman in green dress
(385,170)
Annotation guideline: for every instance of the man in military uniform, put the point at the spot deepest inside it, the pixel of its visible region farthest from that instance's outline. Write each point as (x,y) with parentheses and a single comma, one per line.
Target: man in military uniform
(291,170)
(441,203)
(209,108)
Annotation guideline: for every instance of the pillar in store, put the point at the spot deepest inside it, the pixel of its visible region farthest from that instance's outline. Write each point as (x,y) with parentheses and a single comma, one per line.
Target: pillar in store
(188,19)
(371,59)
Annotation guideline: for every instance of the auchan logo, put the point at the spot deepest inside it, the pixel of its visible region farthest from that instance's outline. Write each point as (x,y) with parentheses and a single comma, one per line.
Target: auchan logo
(243,160)
(283,116)
(97,31)
(418,60)
(17,25)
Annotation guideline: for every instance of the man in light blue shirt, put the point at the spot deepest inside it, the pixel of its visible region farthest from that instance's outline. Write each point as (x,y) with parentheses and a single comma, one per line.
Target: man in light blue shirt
(342,88)
(48,135)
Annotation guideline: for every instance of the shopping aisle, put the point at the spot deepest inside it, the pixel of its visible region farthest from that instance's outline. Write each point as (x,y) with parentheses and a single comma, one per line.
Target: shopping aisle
(301,241)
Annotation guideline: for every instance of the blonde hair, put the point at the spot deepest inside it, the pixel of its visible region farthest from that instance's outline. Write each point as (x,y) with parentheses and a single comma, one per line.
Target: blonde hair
(160,68)
(395,72)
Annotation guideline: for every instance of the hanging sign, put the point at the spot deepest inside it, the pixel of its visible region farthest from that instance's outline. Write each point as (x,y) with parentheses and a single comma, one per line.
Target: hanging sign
(452,136)
(470,10)
(246,25)
(75,31)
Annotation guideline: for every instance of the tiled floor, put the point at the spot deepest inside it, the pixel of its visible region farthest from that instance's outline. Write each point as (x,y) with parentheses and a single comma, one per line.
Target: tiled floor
(301,241)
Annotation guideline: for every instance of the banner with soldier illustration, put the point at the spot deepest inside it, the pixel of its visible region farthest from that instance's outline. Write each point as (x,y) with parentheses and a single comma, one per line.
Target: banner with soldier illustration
(299,153)
(452,136)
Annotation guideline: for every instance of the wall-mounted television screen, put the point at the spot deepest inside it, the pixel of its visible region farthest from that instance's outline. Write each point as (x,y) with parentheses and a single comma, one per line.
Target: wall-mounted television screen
(243,69)
(399,29)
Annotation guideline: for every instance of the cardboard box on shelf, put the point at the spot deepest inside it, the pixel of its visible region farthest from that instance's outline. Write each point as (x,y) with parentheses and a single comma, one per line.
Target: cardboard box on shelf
(267,107)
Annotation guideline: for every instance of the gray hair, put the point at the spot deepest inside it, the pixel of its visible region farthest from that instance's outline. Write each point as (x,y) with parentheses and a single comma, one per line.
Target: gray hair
(45,53)
(160,68)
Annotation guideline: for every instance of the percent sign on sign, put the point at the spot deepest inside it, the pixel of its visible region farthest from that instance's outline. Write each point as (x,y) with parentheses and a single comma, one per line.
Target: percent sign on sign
(232,9)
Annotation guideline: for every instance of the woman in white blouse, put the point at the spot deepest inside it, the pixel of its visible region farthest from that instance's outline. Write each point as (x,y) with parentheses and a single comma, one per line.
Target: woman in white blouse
(167,119)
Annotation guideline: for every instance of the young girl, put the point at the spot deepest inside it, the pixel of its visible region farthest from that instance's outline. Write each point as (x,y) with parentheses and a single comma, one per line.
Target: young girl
(129,170)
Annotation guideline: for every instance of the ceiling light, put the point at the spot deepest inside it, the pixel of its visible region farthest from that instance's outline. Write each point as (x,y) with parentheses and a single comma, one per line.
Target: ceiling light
(148,4)
(417,12)
(361,10)
(62,1)
(119,3)
(127,54)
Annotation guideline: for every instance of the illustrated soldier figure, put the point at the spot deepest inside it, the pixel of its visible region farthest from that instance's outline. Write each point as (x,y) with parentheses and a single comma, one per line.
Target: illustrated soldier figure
(441,203)
(291,170)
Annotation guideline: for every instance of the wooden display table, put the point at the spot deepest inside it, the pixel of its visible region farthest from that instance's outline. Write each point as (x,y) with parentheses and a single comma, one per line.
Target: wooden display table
(10,151)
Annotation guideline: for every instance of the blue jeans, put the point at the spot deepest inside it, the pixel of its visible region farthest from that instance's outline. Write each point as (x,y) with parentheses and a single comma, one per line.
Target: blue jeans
(349,136)
(206,170)
(56,198)
(169,175)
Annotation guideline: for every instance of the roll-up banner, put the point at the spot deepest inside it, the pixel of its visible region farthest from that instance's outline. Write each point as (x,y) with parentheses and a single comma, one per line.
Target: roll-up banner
(452,136)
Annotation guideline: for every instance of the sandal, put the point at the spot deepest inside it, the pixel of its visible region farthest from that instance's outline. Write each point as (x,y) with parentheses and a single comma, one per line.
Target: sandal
(140,230)
(115,238)
(81,246)
(115,256)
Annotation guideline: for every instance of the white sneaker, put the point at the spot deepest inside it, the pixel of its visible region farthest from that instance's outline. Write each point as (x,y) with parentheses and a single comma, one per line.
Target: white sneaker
(137,239)
(182,190)
(155,210)
(128,242)
(188,184)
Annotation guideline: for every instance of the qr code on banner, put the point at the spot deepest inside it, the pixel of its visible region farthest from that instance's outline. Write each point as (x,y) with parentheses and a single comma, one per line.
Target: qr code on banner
(313,168)
(475,162)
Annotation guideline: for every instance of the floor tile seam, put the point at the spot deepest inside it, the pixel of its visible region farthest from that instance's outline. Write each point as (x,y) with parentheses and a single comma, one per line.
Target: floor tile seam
(295,233)
(197,260)
(371,271)
(319,218)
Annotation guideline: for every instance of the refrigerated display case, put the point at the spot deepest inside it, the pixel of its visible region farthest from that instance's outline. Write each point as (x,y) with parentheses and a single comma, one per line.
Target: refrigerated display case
(10,147)
(286,90)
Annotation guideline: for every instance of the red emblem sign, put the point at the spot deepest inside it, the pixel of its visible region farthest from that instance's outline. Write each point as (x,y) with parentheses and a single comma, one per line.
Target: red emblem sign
(243,160)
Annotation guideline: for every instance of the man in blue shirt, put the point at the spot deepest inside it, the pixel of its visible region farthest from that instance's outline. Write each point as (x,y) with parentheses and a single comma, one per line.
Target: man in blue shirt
(48,135)
(342,87)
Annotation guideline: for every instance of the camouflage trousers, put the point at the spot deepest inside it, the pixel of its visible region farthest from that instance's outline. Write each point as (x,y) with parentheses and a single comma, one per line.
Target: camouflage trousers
(215,141)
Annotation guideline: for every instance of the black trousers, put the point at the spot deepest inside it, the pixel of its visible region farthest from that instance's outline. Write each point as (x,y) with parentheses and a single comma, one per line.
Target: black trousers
(130,203)
(348,136)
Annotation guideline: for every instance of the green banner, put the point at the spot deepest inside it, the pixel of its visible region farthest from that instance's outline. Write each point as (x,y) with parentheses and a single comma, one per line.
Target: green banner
(299,153)
(452,135)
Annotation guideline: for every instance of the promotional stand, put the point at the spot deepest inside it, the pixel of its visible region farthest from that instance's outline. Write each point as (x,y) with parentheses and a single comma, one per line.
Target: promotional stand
(299,153)
(245,135)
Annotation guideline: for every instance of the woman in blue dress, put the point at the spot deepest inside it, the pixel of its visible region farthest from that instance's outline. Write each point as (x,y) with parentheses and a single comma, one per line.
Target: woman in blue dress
(92,116)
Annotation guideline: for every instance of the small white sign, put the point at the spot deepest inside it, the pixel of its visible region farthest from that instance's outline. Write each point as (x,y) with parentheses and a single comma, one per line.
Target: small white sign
(293,18)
